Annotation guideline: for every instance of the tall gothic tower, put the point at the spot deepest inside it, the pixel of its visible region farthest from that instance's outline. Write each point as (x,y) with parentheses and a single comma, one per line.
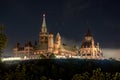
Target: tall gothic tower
(43,32)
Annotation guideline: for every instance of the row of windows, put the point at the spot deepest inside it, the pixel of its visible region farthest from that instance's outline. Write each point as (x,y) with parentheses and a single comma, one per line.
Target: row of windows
(39,52)
(89,55)
(89,51)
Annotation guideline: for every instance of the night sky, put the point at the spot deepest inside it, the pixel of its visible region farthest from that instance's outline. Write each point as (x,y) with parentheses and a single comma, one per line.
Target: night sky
(23,18)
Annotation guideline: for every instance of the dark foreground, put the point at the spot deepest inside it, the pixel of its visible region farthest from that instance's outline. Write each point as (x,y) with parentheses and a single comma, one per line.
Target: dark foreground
(65,69)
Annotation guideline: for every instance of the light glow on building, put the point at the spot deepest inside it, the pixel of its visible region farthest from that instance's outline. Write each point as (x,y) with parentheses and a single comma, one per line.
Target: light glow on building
(48,43)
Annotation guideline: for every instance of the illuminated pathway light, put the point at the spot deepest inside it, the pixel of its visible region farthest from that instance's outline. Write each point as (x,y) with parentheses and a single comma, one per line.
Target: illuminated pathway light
(11,59)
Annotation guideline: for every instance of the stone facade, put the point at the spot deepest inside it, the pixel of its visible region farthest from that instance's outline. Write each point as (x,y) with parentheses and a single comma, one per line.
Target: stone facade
(50,44)
(47,43)
(89,49)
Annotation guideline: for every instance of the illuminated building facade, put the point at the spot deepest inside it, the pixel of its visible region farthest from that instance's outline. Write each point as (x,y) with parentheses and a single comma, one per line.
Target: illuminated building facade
(47,44)
(50,44)
(89,49)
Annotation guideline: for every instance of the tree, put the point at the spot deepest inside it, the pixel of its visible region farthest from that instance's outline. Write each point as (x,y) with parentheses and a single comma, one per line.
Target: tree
(52,56)
(84,76)
(97,75)
(116,76)
(42,56)
(3,39)
(43,78)
(77,77)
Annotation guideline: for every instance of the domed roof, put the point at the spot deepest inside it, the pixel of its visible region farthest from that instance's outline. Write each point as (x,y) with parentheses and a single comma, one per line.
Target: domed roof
(86,44)
(87,40)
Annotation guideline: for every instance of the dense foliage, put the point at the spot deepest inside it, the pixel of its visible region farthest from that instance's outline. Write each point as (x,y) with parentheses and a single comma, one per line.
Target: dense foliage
(3,39)
(55,69)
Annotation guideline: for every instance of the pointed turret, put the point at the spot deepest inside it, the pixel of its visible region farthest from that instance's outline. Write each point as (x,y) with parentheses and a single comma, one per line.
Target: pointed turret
(58,39)
(57,43)
(44,27)
(58,35)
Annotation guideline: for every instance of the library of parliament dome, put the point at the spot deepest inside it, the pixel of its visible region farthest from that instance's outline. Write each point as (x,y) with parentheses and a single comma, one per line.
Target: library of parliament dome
(49,43)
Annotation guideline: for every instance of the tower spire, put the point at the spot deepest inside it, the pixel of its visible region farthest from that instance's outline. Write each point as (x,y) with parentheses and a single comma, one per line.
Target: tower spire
(58,37)
(58,34)
(88,32)
(44,28)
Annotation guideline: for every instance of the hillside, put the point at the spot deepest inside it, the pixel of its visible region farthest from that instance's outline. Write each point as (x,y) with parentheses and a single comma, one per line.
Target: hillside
(56,68)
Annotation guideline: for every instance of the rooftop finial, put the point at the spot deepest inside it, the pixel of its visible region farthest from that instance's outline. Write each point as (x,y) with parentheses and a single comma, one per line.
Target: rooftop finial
(43,15)
(58,34)
(88,32)
(88,29)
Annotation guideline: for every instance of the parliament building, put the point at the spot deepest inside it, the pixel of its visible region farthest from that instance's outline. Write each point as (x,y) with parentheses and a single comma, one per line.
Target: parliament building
(50,43)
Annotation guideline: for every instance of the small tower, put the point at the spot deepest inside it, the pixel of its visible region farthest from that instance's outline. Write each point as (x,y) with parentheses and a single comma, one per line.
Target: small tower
(58,39)
(57,43)
(43,32)
(50,43)
(28,48)
(16,48)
